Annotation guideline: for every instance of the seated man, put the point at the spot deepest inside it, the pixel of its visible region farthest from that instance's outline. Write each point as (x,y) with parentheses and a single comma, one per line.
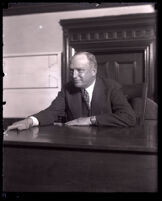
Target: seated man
(85,100)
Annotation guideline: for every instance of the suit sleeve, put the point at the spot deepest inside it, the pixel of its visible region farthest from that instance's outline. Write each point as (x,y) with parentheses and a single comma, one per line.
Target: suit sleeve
(122,113)
(51,114)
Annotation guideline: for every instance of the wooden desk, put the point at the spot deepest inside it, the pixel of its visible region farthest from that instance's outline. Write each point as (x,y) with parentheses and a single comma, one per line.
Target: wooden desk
(81,159)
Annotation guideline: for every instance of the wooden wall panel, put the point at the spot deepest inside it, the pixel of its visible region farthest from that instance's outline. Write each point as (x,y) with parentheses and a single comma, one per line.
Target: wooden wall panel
(125,73)
(126,68)
(126,34)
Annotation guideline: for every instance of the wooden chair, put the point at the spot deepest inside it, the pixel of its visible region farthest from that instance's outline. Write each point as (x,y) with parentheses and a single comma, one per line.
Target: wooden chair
(137,97)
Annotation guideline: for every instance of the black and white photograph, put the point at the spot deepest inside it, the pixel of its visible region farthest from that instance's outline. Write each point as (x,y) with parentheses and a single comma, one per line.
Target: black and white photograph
(80,97)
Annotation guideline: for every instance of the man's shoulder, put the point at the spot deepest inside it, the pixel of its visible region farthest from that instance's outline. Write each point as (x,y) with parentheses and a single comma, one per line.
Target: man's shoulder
(68,85)
(70,88)
(110,83)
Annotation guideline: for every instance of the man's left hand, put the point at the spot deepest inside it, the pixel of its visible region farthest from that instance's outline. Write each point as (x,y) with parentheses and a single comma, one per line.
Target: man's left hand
(82,121)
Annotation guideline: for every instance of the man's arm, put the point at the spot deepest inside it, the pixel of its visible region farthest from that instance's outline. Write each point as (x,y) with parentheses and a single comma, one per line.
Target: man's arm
(122,113)
(45,117)
(51,114)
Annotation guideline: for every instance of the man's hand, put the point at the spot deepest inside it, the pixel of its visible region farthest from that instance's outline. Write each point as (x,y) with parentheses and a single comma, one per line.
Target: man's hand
(21,125)
(83,121)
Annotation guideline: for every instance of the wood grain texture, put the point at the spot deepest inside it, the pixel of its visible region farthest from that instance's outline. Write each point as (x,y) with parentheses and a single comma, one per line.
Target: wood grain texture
(81,159)
(128,34)
(134,139)
(51,170)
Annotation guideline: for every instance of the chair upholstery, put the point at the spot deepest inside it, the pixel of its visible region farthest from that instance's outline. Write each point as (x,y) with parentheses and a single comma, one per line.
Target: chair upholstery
(151,112)
(137,97)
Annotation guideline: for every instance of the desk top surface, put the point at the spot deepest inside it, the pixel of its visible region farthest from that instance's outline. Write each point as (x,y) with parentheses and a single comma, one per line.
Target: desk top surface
(133,139)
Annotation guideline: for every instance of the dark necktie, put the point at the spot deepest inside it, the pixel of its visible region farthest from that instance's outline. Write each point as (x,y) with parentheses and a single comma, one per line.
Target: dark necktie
(85,96)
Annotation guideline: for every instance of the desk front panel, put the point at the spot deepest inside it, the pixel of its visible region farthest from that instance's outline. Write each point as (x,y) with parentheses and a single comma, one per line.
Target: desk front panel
(64,170)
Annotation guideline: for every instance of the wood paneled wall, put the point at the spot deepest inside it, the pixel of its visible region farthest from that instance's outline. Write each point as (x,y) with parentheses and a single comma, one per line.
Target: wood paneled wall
(116,39)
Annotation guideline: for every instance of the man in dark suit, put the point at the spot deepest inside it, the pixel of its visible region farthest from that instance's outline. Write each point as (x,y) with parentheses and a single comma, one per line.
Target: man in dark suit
(85,100)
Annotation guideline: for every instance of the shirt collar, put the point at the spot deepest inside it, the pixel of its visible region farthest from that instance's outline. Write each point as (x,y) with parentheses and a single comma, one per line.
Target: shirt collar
(91,87)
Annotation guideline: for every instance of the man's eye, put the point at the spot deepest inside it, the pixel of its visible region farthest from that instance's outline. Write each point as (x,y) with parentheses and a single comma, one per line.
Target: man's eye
(81,71)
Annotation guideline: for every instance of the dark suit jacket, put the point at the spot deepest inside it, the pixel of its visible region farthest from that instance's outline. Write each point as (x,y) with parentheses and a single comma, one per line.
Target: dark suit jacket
(108,104)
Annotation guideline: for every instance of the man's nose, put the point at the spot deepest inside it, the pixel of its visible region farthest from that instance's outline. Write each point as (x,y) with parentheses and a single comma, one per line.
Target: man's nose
(75,73)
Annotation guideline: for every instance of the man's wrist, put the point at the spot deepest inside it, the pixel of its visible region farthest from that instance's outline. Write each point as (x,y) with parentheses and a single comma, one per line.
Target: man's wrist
(93,120)
(35,121)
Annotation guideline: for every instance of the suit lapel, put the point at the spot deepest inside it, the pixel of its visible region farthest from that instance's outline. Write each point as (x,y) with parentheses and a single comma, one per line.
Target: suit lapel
(98,98)
(75,101)
(98,103)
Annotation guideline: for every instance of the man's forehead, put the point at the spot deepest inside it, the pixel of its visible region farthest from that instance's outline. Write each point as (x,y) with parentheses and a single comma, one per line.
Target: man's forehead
(80,57)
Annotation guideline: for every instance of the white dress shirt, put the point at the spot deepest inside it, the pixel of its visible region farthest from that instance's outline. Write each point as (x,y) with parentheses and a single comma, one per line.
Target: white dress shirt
(88,89)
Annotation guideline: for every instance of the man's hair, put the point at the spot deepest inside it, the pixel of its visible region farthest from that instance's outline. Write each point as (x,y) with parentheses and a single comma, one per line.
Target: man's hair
(91,58)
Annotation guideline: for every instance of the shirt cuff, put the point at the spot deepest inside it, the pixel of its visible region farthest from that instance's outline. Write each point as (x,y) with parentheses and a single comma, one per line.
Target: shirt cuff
(35,121)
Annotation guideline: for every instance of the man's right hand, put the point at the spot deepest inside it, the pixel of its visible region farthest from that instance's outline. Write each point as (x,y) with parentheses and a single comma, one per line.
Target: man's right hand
(21,125)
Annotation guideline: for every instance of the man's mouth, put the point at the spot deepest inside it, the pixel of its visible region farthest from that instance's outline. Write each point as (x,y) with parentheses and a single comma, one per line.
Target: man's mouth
(76,81)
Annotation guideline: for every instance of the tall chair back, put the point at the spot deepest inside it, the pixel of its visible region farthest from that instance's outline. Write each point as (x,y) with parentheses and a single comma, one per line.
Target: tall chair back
(137,97)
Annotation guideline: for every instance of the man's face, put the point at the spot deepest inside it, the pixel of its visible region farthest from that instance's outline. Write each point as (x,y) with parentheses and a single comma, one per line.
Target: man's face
(82,73)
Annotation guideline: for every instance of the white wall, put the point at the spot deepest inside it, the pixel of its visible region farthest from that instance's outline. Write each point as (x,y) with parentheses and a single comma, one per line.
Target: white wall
(30,83)
(41,33)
